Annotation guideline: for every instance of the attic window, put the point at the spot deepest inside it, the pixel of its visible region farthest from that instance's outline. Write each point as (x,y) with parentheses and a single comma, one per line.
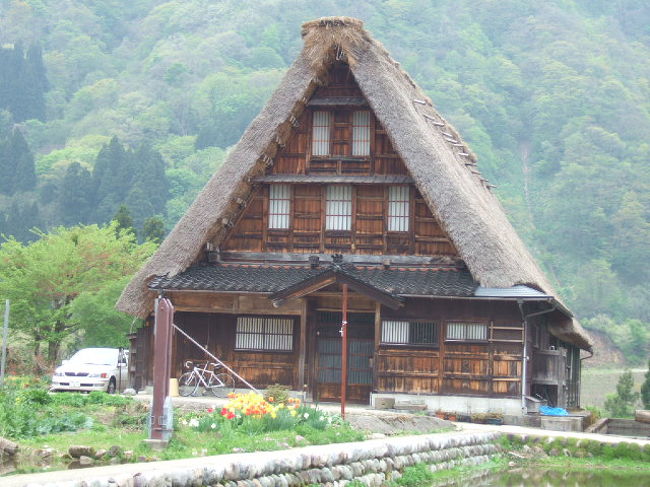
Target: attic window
(338,210)
(361,133)
(279,206)
(398,208)
(321,134)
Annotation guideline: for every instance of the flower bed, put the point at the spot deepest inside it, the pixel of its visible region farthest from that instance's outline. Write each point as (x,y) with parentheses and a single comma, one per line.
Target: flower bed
(252,414)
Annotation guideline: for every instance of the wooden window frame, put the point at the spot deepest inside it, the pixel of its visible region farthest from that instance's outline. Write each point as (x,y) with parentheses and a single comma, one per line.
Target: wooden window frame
(405,203)
(292,320)
(467,322)
(330,127)
(326,213)
(367,126)
(288,199)
(437,325)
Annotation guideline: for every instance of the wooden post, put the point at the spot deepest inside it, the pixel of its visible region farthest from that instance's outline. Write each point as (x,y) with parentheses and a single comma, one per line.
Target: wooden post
(302,350)
(5,328)
(161,369)
(344,350)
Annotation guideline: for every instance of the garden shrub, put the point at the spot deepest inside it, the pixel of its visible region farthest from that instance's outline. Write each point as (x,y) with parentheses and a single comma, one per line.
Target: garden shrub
(33,396)
(276,394)
(416,476)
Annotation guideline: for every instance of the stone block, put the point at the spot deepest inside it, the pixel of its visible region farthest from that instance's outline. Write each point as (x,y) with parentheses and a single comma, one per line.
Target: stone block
(561,423)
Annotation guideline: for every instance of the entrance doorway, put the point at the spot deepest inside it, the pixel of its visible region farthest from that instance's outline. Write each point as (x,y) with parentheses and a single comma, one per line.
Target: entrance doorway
(361,331)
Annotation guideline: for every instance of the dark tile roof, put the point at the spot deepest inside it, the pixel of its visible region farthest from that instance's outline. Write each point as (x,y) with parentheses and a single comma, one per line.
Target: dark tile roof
(258,278)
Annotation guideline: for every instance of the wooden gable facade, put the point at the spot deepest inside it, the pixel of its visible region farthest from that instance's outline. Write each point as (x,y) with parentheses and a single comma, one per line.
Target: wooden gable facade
(364,174)
(337,206)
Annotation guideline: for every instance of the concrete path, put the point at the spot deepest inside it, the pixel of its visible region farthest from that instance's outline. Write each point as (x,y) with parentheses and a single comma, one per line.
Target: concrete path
(522,430)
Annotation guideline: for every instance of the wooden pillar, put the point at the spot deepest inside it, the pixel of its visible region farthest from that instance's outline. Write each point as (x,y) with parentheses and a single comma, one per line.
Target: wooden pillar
(344,350)
(161,370)
(375,356)
(302,347)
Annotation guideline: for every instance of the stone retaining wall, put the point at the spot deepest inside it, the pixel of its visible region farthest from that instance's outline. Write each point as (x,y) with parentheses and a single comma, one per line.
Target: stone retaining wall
(333,465)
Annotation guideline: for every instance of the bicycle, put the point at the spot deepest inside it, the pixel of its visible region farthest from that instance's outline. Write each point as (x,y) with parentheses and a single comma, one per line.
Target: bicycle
(189,382)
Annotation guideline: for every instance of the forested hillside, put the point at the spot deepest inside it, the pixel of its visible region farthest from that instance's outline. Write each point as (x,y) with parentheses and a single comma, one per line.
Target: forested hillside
(116,102)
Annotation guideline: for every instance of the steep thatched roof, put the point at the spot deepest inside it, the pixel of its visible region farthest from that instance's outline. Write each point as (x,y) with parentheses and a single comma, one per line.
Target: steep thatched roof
(440,163)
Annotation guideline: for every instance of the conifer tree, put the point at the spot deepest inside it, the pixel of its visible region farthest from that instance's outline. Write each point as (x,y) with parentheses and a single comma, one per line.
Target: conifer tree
(621,404)
(75,195)
(36,84)
(645,389)
(23,162)
(110,179)
(124,219)
(22,217)
(149,187)
(154,229)
(6,168)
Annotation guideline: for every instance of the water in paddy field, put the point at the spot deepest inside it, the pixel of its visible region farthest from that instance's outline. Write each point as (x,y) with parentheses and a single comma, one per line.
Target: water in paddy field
(535,477)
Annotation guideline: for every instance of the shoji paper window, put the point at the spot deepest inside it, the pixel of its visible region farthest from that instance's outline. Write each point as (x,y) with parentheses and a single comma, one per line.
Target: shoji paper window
(338,210)
(321,134)
(279,206)
(473,332)
(264,333)
(361,133)
(398,208)
(409,332)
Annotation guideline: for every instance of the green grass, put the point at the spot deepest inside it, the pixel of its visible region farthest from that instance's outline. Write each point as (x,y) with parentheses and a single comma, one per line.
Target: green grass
(115,421)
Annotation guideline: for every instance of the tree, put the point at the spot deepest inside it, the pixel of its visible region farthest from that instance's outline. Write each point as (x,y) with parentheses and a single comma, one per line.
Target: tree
(645,389)
(95,316)
(16,165)
(621,404)
(22,217)
(44,278)
(124,220)
(111,179)
(75,195)
(149,187)
(154,229)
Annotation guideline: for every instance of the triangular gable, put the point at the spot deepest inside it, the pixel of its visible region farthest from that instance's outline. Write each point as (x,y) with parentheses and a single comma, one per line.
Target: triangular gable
(442,166)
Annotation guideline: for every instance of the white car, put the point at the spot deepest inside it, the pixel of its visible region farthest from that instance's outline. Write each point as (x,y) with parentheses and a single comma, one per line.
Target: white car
(92,369)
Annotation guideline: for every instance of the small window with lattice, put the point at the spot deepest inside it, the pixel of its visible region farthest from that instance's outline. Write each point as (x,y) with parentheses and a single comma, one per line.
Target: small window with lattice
(264,333)
(395,332)
(361,133)
(321,132)
(338,208)
(398,208)
(468,332)
(279,206)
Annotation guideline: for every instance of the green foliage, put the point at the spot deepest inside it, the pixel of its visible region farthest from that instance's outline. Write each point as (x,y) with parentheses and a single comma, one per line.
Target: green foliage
(75,195)
(124,220)
(153,229)
(645,389)
(30,413)
(43,280)
(23,83)
(416,476)
(621,404)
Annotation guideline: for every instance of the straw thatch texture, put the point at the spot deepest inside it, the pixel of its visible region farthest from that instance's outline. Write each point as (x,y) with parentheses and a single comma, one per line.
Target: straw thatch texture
(439,162)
